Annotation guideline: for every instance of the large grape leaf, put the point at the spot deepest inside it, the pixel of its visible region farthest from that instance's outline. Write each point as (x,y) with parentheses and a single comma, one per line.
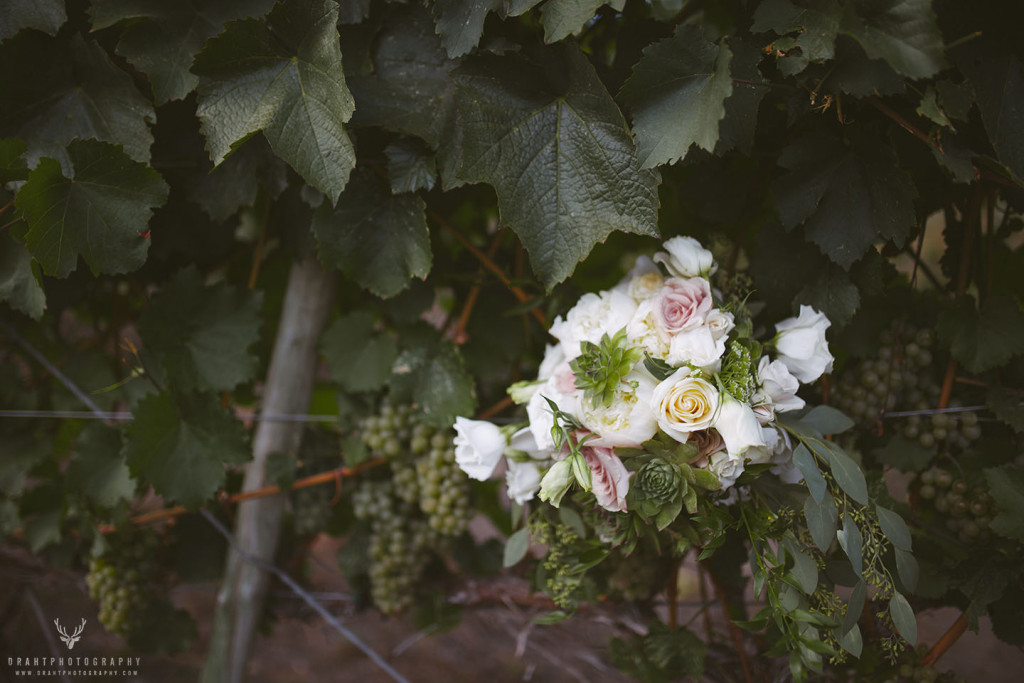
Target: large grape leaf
(201,335)
(282,75)
(402,81)
(44,15)
(904,33)
(677,95)
(1006,485)
(434,376)
(554,146)
(736,130)
(236,182)
(180,445)
(815,25)
(358,358)
(460,23)
(985,339)
(411,167)
(101,212)
(19,283)
(72,91)
(845,195)
(12,162)
(379,239)
(833,293)
(563,18)
(999,90)
(97,468)
(163,38)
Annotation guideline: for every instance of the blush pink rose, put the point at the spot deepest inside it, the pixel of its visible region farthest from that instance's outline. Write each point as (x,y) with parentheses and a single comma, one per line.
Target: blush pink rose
(682,304)
(609,478)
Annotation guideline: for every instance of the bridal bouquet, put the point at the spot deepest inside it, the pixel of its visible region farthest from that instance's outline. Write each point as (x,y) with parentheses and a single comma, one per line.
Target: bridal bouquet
(655,391)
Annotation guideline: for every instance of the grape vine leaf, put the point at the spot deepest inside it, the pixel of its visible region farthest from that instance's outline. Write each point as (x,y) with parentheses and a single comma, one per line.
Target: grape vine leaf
(1007,407)
(162,38)
(20,283)
(181,444)
(75,92)
(236,182)
(904,33)
(999,90)
(460,23)
(736,130)
(554,146)
(902,453)
(845,195)
(101,212)
(282,75)
(353,11)
(433,375)
(411,166)
(44,15)
(404,84)
(201,335)
(563,18)
(12,162)
(832,293)
(1006,486)
(984,339)
(677,94)
(815,24)
(97,468)
(378,239)
(358,358)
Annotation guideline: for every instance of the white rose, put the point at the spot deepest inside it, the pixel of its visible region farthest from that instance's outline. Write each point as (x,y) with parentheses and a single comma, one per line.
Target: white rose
(478,447)
(802,346)
(628,421)
(642,332)
(683,404)
(609,478)
(726,467)
(686,258)
(539,412)
(638,280)
(720,322)
(740,429)
(699,348)
(523,480)
(592,317)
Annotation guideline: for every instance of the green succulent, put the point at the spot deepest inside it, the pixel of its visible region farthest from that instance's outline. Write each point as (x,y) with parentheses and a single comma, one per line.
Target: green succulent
(601,367)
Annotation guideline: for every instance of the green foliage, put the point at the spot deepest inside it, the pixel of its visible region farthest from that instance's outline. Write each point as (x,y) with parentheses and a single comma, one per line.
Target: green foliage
(100,213)
(200,336)
(559,156)
(359,359)
(281,75)
(97,468)
(19,280)
(47,16)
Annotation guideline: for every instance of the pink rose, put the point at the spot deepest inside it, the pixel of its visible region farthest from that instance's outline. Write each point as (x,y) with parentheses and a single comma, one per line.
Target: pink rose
(682,304)
(609,478)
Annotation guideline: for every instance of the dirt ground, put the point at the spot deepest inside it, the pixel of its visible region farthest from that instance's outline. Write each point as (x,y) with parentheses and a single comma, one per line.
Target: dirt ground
(494,642)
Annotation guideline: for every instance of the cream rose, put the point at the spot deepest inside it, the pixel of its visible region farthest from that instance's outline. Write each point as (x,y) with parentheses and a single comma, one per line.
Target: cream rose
(802,346)
(628,421)
(609,478)
(685,257)
(683,404)
(682,304)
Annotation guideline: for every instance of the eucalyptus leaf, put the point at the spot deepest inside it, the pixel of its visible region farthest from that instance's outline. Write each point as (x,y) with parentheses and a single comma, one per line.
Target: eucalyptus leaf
(894,528)
(804,462)
(821,520)
(516,547)
(851,541)
(903,617)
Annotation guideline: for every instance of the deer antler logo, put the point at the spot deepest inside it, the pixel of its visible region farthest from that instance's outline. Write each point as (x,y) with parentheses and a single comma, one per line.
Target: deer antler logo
(73,638)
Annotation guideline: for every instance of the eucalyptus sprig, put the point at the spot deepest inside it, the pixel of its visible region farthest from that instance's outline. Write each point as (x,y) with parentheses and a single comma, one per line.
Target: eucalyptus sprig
(600,368)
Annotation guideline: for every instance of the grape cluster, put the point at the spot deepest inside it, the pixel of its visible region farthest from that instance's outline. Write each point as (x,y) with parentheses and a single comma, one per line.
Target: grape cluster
(311,509)
(118,580)
(901,376)
(414,511)
(967,509)
(913,669)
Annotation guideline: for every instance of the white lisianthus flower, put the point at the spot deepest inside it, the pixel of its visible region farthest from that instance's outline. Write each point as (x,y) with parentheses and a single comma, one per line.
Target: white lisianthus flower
(609,478)
(802,346)
(638,280)
(726,467)
(720,322)
(697,347)
(561,390)
(554,356)
(556,482)
(523,480)
(685,257)
(478,447)
(642,332)
(592,317)
(778,390)
(740,429)
(628,421)
(683,404)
